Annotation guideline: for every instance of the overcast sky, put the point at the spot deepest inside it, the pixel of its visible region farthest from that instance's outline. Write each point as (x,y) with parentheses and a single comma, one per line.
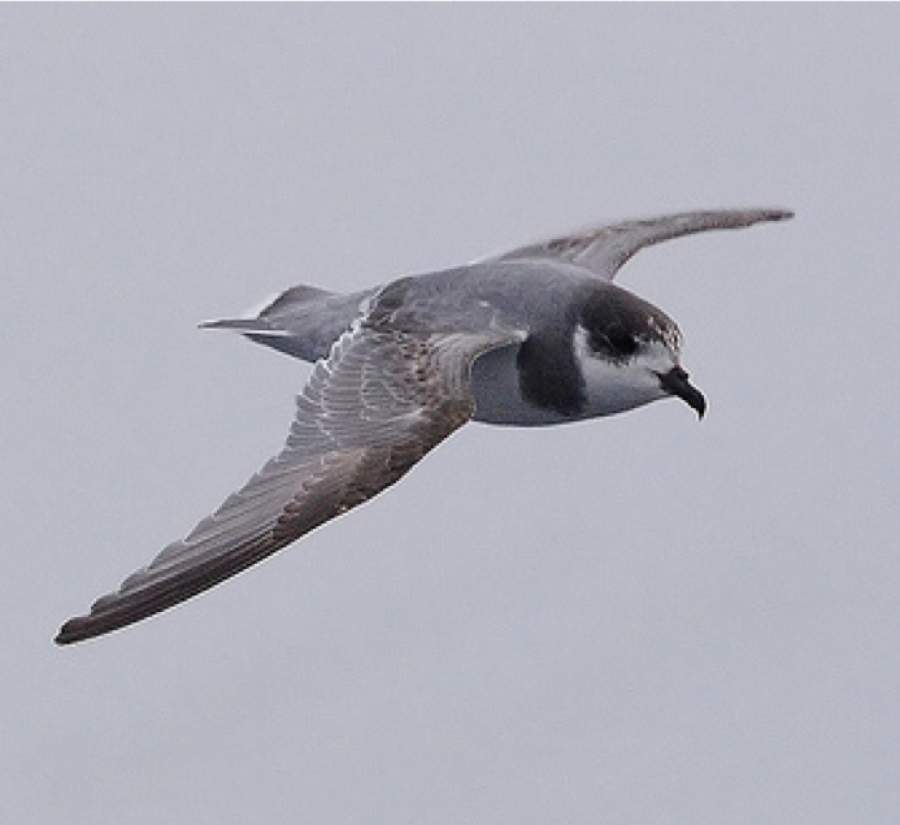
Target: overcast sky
(636,621)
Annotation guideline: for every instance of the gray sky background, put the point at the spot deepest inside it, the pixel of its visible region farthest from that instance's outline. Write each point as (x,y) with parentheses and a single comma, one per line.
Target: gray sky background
(637,621)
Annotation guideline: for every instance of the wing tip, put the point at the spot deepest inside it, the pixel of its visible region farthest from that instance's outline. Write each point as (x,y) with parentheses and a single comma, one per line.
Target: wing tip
(776,214)
(101,619)
(737,218)
(74,630)
(81,628)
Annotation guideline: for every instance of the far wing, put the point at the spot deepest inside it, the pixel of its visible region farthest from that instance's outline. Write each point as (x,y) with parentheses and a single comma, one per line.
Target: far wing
(605,249)
(381,401)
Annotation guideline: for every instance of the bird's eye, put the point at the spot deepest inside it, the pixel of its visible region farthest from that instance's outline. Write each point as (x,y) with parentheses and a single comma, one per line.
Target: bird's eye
(621,342)
(614,342)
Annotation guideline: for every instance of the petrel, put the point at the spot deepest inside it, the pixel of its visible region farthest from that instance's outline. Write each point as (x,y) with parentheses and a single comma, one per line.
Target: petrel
(536,336)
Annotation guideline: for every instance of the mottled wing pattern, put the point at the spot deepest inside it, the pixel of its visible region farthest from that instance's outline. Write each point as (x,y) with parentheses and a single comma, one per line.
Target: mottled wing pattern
(605,249)
(375,407)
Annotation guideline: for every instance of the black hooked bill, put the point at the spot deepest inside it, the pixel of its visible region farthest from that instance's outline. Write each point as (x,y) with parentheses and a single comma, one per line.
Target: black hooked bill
(675,381)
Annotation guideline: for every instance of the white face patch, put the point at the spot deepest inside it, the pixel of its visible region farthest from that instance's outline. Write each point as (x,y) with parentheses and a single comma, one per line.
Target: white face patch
(615,387)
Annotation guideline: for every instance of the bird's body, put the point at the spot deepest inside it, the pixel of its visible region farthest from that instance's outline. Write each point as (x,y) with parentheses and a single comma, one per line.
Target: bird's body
(537,336)
(539,378)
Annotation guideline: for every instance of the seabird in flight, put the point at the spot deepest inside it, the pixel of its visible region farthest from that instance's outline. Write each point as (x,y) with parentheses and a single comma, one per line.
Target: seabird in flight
(536,336)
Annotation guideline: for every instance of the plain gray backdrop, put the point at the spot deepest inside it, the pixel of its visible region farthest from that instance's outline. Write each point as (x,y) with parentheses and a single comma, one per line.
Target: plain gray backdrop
(636,621)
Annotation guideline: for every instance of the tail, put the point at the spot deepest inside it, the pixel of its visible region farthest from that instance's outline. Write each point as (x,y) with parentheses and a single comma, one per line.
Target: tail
(303,321)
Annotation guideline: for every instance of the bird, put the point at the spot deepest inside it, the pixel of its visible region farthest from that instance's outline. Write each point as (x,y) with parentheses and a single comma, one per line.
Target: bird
(536,336)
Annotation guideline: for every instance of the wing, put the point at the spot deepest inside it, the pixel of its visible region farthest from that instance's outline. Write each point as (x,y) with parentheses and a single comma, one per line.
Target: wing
(375,407)
(605,249)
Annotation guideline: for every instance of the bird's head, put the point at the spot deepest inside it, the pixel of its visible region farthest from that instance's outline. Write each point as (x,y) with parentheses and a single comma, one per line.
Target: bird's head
(629,352)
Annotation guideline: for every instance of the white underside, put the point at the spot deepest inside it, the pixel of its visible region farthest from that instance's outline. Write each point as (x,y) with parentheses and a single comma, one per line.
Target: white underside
(609,388)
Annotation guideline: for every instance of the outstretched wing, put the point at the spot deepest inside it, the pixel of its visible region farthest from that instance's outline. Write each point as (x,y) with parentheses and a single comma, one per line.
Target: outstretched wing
(605,249)
(375,407)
